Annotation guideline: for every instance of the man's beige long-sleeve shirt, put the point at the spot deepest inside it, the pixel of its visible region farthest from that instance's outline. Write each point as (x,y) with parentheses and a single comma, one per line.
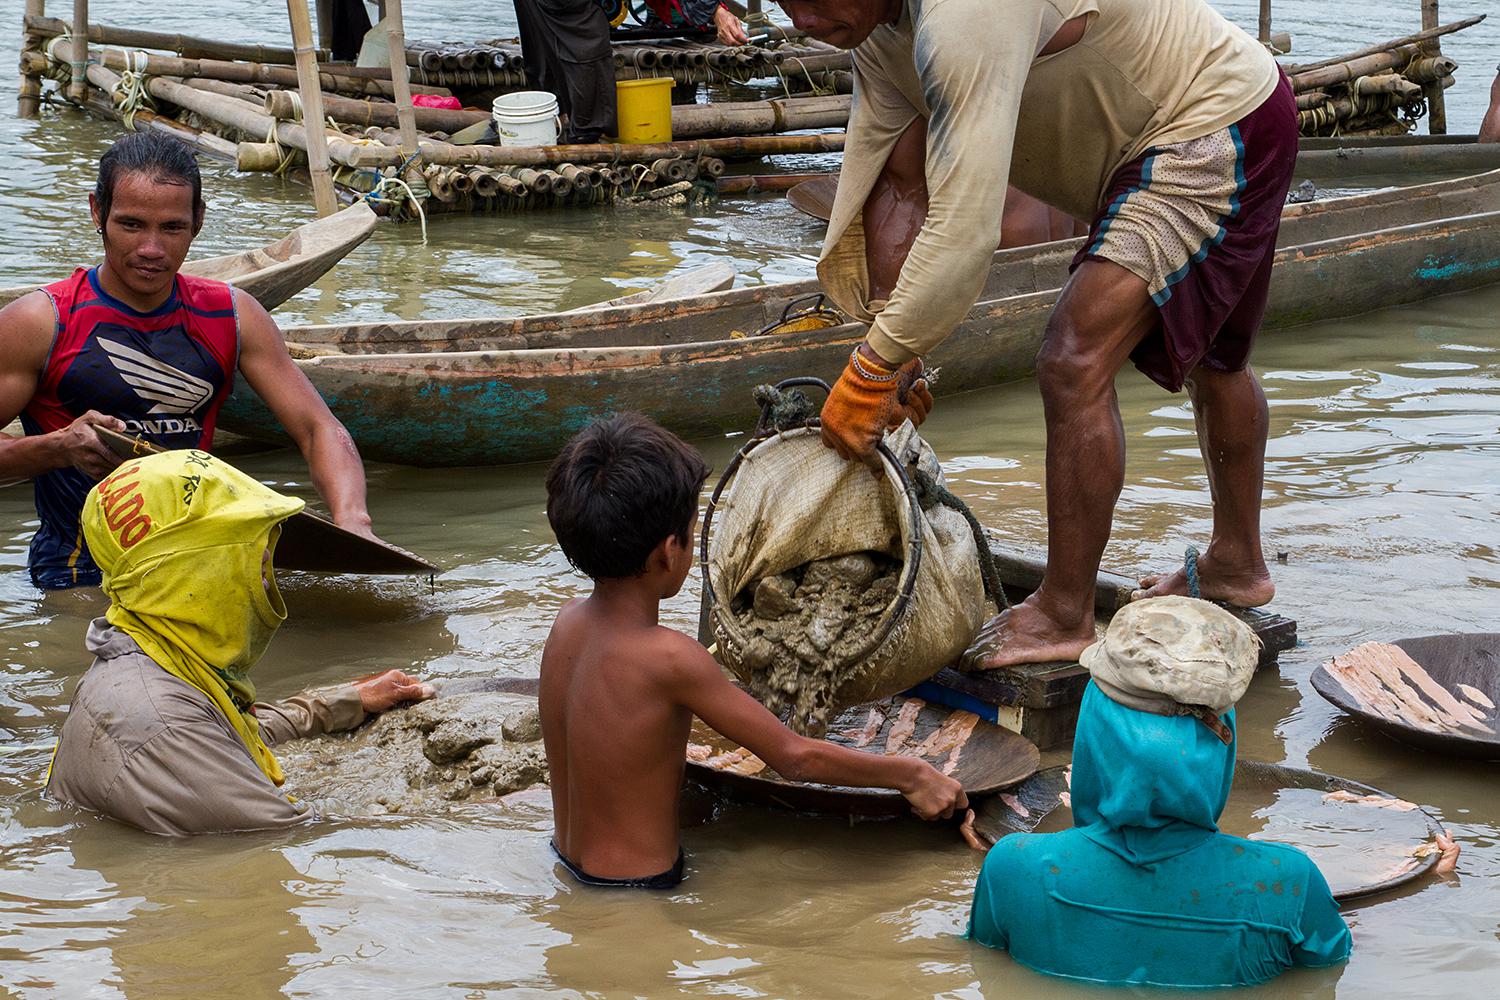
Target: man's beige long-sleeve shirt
(145,748)
(1146,73)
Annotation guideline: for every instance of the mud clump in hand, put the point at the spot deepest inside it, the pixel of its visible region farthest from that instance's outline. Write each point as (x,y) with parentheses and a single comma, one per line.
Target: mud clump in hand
(805,627)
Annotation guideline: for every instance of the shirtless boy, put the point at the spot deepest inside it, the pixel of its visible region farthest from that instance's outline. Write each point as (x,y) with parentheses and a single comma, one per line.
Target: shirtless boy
(619,691)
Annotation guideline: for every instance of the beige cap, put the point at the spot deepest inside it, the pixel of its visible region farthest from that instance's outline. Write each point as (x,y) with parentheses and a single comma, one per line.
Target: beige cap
(1174,655)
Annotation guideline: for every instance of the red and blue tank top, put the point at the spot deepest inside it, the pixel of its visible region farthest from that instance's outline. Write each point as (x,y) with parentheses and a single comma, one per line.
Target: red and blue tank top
(165,373)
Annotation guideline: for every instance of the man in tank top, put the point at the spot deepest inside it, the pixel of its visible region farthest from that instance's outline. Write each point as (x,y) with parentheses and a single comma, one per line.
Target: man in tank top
(132,345)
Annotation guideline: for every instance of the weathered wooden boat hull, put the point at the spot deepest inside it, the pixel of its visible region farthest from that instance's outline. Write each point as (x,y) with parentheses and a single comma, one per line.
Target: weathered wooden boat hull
(274,273)
(743,312)
(500,406)
(1356,164)
(1352,160)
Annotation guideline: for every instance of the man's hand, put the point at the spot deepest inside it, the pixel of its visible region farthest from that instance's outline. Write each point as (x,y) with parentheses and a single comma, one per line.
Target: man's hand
(869,398)
(385,691)
(1448,858)
(934,795)
(971,836)
(729,28)
(81,448)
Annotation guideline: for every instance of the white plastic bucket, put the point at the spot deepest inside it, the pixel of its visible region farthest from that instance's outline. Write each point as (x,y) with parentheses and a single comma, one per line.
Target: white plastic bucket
(526,118)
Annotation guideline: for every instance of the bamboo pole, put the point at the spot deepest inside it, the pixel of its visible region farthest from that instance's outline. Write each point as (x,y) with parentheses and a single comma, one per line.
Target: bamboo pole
(312,107)
(395,34)
(1421,36)
(350,111)
(184,45)
(1437,107)
(29,93)
(230,62)
(78,84)
(1265,22)
(1343,72)
(760,117)
(758,183)
(245,72)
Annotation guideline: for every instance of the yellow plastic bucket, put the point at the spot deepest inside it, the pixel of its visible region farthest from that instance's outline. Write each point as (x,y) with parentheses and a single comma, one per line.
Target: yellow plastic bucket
(643,109)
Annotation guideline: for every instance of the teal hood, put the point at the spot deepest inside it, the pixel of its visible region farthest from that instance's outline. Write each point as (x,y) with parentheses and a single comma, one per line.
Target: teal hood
(1147,787)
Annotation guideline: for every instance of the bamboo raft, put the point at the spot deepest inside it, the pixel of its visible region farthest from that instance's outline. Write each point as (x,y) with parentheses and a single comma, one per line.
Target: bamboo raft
(491,391)
(243,104)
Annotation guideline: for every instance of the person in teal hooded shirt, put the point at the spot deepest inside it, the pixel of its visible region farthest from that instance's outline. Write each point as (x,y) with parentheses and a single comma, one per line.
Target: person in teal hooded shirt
(1144,889)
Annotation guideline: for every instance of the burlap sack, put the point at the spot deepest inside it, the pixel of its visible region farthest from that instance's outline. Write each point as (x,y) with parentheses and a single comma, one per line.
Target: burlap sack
(793,501)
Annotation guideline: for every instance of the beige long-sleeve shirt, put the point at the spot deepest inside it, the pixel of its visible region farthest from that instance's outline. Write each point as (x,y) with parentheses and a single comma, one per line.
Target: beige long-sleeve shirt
(1146,73)
(147,749)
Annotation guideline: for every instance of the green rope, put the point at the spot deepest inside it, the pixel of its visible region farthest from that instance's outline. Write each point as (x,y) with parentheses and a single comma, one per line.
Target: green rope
(784,410)
(931,493)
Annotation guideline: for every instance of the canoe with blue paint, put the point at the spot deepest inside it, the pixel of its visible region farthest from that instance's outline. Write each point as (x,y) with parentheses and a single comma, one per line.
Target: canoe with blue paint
(501,391)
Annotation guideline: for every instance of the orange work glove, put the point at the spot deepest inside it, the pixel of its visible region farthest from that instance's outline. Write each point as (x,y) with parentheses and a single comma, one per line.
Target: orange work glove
(867,400)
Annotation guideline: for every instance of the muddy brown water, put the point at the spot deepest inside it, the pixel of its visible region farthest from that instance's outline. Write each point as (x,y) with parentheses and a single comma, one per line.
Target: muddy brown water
(1383,486)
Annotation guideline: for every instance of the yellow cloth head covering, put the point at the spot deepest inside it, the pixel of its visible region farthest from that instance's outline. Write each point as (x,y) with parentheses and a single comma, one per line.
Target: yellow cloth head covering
(180,537)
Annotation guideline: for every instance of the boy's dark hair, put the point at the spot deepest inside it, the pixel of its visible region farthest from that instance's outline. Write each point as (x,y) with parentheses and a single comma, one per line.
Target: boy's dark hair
(617,490)
(165,159)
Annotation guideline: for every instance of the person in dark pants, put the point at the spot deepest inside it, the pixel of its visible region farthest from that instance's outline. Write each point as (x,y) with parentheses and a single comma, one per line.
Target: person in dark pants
(566,47)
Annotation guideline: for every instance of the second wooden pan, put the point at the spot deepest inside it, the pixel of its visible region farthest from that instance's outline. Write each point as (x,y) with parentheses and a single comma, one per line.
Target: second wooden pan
(981,756)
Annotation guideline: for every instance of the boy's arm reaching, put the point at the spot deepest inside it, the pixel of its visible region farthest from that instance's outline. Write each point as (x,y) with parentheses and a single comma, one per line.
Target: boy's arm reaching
(699,684)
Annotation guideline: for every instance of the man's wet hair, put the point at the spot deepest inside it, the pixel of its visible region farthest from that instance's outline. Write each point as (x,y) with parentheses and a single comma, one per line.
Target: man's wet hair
(619,488)
(165,159)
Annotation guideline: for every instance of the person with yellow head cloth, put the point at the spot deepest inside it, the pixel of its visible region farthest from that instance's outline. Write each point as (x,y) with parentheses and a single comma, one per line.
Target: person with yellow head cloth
(164,732)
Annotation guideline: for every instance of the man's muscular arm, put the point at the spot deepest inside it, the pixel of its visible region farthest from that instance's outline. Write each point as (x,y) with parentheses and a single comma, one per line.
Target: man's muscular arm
(973,92)
(331,455)
(27,328)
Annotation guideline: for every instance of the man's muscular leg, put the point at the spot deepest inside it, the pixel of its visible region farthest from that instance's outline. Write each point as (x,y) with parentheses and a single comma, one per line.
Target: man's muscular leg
(1230,411)
(1103,312)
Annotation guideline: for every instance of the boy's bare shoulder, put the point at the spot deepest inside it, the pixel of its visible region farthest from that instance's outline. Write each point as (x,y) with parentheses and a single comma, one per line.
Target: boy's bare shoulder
(677,654)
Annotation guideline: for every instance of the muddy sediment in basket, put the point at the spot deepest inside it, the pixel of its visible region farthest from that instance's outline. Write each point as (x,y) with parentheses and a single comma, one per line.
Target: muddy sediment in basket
(806,627)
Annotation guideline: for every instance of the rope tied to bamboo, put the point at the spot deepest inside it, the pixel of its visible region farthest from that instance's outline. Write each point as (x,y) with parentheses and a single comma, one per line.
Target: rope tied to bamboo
(130,94)
(415,190)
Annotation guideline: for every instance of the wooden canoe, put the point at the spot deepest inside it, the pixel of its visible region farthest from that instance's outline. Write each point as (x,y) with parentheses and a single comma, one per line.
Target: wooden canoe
(274,273)
(498,391)
(1340,159)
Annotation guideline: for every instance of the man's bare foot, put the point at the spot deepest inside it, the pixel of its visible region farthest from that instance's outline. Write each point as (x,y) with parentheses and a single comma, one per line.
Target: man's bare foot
(1026,634)
(1242,587)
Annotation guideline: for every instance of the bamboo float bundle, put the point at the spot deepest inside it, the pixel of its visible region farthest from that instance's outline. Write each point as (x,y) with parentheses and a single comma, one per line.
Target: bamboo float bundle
(142,119)
(434,151)
(235,114)
(1381,89)
(1342,72)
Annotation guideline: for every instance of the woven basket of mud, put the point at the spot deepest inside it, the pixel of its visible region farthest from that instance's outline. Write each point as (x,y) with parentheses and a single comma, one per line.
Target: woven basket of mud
(827,587)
